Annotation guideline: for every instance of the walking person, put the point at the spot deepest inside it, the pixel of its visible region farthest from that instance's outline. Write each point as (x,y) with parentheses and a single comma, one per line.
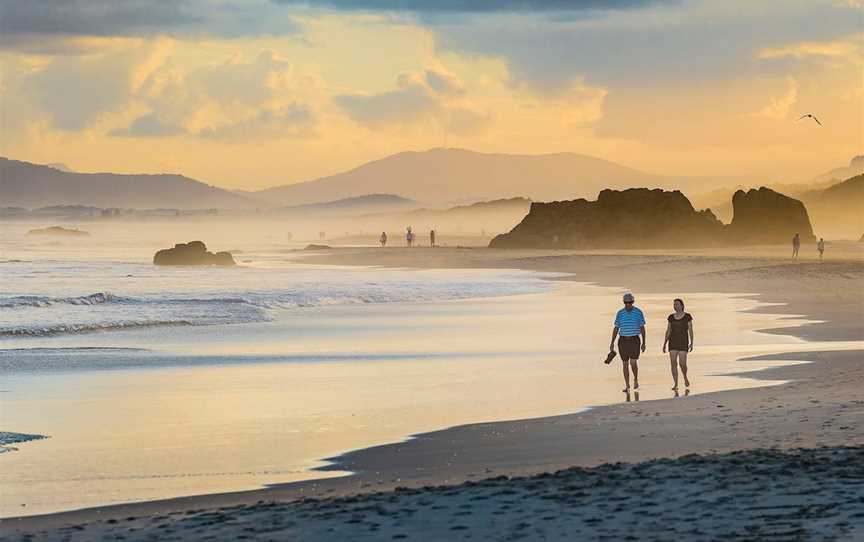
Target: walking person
(432,238)
(820,246)
(383,239)
(629,325)
(679,337)
(796,245)
(409,237)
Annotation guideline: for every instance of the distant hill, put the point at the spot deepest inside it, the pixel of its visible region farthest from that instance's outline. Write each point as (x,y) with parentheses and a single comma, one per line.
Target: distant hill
(495,207)
(848,193)
(441,175)
(370,203)
(855,167)
(61,167)
(839,209)
(23,184)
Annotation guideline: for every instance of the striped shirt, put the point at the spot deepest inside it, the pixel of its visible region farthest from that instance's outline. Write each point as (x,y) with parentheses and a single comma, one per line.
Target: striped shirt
(628,323)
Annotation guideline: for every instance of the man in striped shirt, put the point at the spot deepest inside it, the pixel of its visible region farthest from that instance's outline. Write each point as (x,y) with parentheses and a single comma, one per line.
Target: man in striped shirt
(629,325)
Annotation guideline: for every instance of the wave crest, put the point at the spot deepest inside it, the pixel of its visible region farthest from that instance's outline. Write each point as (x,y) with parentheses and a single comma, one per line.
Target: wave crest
(62,329)
(44,301)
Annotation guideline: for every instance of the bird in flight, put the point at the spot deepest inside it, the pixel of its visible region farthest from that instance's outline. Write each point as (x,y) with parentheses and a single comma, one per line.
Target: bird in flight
(811,116)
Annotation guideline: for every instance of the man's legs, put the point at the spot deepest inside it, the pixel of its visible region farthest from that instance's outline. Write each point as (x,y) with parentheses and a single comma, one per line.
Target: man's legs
(634,366)
(626,366)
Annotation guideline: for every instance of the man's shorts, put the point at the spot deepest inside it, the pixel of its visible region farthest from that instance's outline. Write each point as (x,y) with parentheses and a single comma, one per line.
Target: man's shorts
(628,348)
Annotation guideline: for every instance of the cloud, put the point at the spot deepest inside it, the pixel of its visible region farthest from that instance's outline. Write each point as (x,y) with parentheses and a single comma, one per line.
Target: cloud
(443,82)
(470,6)
(237,97)
(425,95)
(75,91)
(94,18)
(844,47)
(393,107)
(242,82)
(462,121)
(31,24)
(657,44)
(778,108)
(294,120)
(149,125)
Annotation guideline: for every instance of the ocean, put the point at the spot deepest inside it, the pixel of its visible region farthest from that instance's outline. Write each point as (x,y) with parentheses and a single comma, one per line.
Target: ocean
(155,382)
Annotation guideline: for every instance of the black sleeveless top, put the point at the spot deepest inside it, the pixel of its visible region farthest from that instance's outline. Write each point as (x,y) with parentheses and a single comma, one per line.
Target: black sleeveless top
(679,338)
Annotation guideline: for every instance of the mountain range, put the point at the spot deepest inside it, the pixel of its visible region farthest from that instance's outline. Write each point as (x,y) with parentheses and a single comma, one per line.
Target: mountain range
(440,175)
(436,177)
(23,184)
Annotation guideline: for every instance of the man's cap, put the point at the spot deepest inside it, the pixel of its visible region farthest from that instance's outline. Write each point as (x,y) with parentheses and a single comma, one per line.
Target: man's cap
(628,297)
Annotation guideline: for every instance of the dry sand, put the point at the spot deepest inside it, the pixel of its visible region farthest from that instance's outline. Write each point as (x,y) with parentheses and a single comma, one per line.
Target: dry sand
(802,478)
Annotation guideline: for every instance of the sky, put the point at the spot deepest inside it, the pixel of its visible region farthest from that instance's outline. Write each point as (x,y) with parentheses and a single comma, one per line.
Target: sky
(247,94)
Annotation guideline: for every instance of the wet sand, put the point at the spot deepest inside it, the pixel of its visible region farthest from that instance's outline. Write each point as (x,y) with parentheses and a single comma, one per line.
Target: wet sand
(814,491)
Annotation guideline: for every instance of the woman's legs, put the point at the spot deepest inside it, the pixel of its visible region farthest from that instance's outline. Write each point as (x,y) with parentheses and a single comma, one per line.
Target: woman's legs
(682,361)
(673,354)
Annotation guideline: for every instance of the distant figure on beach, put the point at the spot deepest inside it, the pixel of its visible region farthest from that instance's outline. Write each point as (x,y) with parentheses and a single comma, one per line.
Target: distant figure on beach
(820,246)
(629,325)
(383,239)
(796,245)
(679,337)
(432,238)
(409,236)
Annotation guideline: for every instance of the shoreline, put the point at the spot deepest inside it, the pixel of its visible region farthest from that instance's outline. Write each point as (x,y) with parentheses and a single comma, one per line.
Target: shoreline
(716,422)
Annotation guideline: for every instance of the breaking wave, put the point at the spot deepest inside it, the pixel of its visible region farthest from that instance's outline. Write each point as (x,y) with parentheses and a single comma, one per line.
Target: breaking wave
(45,301)
(26,315)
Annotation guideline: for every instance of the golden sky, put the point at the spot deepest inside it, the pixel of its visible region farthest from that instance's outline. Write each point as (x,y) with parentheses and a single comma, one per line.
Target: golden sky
(259,93)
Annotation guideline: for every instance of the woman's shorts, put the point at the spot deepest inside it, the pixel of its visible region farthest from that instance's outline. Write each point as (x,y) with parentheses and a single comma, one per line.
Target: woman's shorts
(679,346)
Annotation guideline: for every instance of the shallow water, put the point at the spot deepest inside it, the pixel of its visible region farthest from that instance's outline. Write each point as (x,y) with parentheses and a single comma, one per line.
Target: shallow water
(232,403)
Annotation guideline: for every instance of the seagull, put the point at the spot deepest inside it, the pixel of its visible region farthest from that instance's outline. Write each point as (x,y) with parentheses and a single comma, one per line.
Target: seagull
(811,116)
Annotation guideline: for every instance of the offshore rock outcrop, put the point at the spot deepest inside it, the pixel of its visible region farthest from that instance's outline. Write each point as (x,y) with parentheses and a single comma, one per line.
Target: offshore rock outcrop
(767,217)
(645,218)
(59,231)
(192,253)
(632,218)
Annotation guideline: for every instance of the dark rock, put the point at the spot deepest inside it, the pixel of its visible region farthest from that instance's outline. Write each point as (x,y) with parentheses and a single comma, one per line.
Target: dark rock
(643,218)
(191,253)
(316,247)
(767,217)
(632,218)
(59,231)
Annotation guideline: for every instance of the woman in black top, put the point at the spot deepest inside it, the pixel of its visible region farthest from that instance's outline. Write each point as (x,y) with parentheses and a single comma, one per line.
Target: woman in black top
(679,337)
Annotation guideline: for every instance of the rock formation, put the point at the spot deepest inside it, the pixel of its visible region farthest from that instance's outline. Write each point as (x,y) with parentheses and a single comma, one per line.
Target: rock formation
(59,231)
(632,218)
(767,217)
(192,253)
(643,218)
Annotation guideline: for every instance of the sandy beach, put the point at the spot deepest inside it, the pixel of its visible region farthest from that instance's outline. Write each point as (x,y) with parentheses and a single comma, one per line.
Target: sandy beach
(780,462)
